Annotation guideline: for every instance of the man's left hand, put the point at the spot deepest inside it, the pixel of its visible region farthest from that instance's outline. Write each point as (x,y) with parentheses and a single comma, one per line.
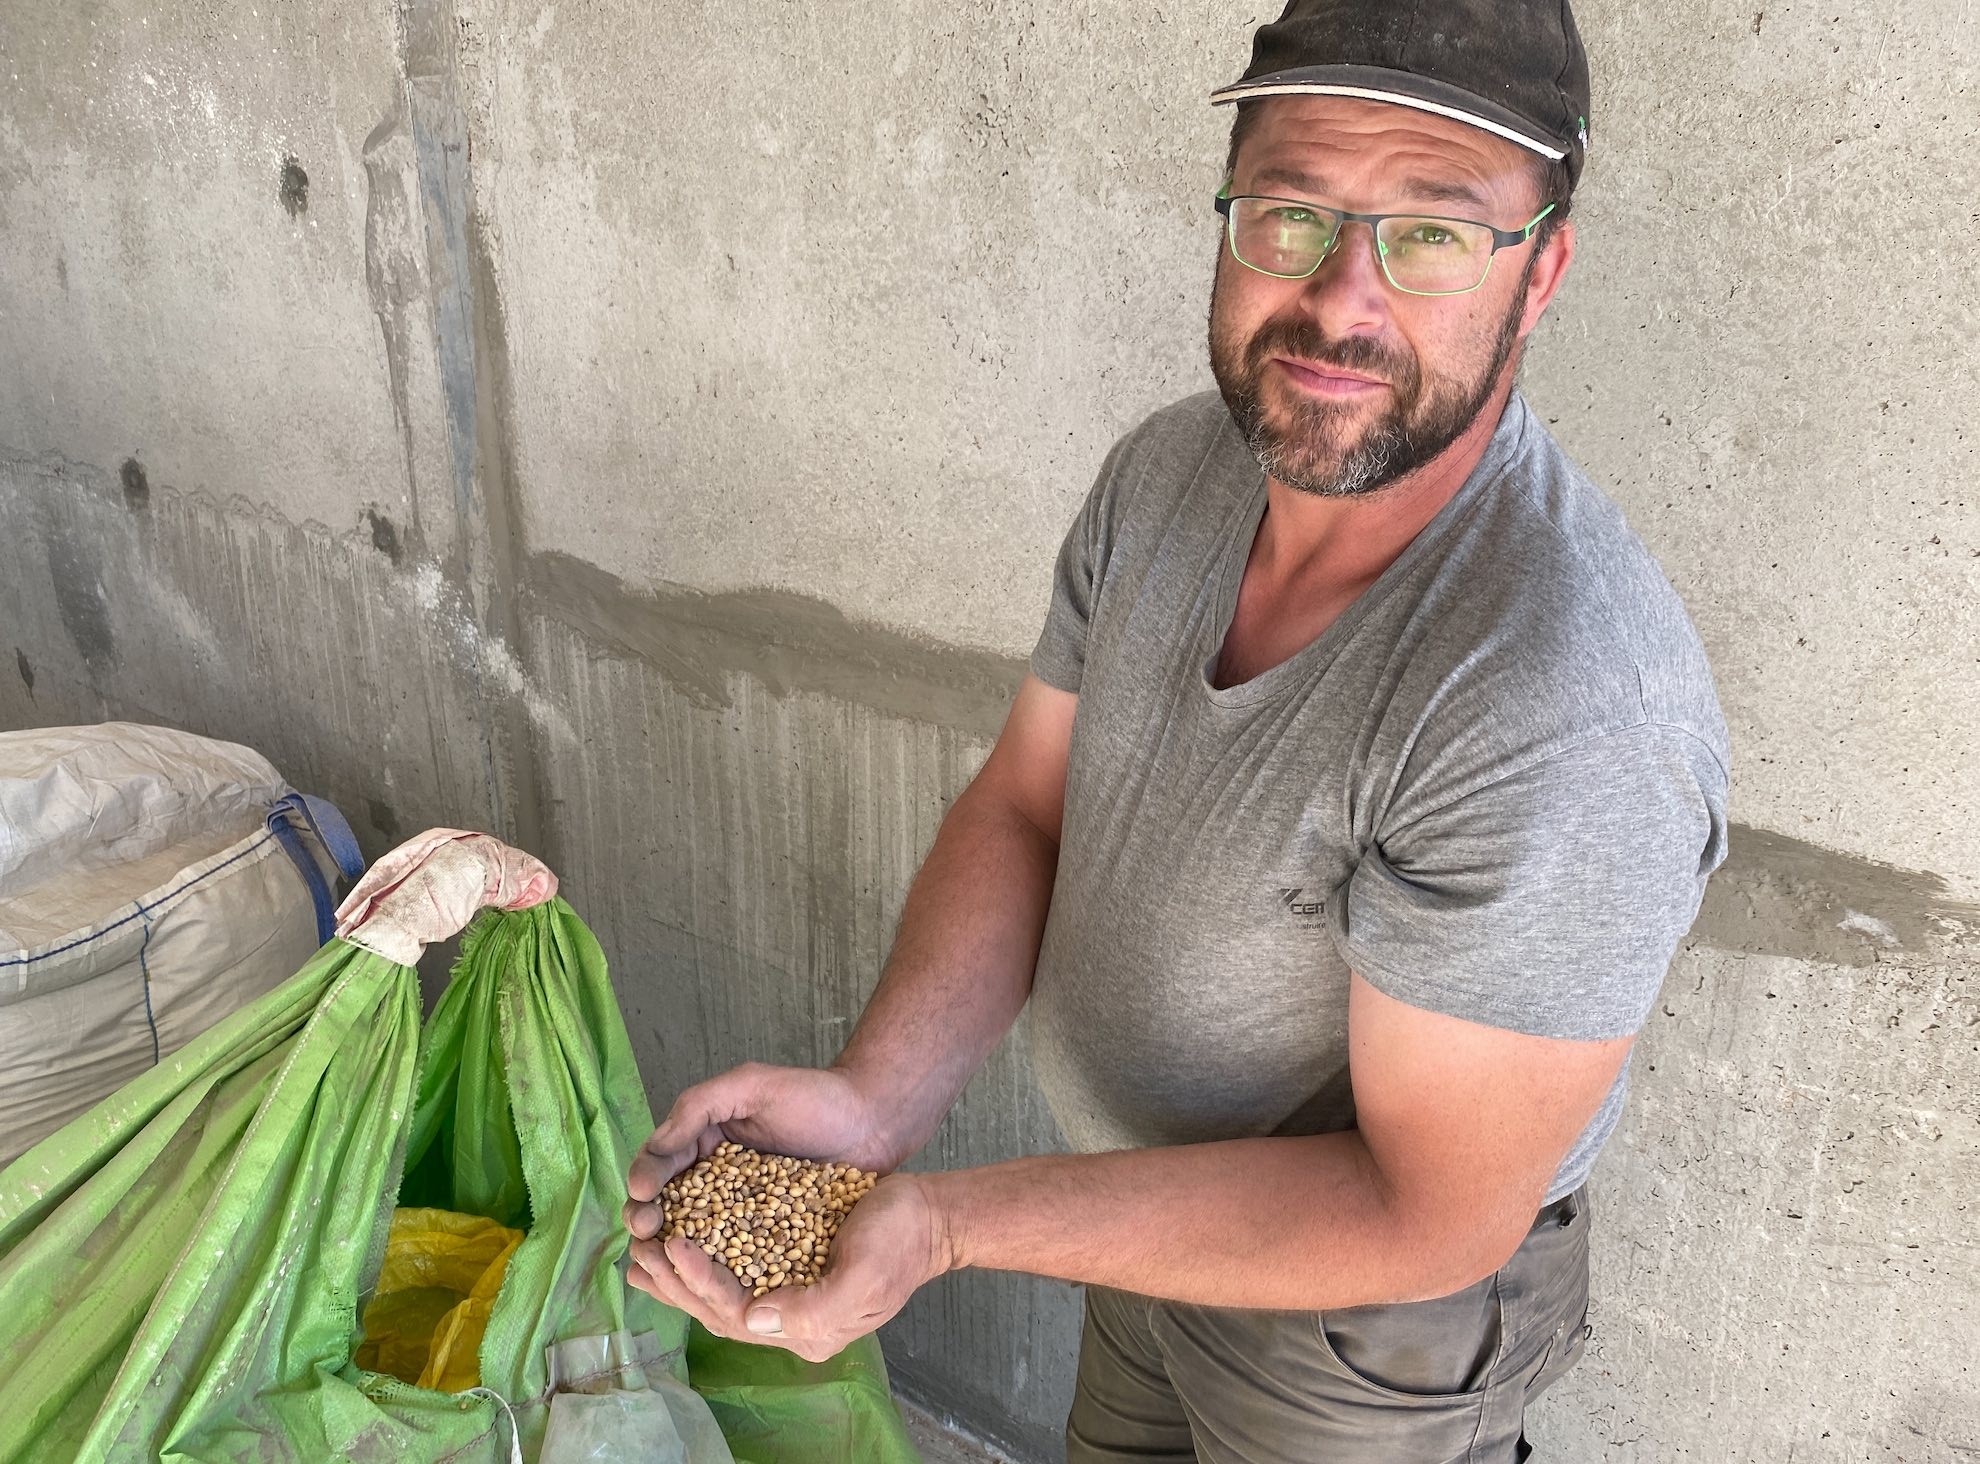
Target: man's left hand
(892,1244)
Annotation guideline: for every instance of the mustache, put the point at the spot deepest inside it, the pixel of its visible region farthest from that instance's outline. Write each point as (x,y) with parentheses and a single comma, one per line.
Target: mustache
(1290,335)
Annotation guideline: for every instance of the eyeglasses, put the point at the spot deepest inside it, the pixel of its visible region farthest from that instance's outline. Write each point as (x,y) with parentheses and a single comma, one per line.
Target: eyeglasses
(1288,239)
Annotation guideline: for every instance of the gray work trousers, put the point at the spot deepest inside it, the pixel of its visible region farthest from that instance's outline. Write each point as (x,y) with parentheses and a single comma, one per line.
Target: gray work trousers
(1422,1382)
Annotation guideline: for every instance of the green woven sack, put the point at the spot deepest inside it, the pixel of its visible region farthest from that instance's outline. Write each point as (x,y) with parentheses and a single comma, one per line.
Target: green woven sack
(182,1269)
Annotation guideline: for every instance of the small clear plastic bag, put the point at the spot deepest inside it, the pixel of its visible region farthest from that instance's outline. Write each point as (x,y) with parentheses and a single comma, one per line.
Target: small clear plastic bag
(616,1399)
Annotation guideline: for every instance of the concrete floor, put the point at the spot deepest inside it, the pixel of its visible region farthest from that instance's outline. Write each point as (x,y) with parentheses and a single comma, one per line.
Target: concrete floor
(940,1444)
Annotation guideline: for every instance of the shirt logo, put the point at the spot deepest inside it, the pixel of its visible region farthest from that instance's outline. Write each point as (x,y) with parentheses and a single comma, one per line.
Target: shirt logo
(1296,906)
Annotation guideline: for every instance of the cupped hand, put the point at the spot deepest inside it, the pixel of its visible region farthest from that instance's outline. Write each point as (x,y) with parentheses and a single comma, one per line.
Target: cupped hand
(807,1113)
(893,1243)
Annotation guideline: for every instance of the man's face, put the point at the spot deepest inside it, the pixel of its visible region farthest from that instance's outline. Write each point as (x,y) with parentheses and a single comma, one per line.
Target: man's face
(1341,383)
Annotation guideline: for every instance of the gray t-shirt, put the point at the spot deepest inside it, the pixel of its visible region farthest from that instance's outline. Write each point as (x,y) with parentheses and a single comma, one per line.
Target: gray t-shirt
(1494,787)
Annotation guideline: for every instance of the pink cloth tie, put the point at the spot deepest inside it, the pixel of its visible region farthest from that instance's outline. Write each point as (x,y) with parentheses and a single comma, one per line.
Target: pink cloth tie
(429,887)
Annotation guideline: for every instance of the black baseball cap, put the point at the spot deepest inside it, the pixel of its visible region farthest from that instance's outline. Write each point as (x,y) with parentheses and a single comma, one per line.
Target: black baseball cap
(1515,68)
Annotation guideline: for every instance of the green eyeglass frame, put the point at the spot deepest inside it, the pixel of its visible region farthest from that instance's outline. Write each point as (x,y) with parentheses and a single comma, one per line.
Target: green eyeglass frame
(1501,238)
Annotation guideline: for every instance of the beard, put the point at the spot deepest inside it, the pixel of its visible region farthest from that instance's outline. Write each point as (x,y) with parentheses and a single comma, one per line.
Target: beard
(1315,448)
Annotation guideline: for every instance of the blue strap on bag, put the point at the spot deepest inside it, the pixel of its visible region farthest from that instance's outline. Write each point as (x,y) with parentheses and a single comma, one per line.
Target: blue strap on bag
(287,817)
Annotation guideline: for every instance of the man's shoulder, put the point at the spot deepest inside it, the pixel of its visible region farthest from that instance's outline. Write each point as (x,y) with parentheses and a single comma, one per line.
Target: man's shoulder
(1577,600)
(1566,514)
(1183,458)
(1201,416)
(1174,441)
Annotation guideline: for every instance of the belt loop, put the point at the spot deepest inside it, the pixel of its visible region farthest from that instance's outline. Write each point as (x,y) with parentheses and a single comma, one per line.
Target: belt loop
(1570,1209)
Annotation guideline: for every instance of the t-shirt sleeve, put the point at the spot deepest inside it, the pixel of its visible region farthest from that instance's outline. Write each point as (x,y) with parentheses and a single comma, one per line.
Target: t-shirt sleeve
(1059,658)
(1549,901)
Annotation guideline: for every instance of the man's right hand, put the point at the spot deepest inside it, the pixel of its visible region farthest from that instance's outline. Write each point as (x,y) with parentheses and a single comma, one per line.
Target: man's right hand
(807,1113)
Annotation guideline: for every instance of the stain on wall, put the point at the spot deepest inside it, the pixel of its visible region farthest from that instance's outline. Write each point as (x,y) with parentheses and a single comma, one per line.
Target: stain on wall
(75,571)
(382,818)
(789,642)
(1780,896)
(384,536)
(293,189)
(137,488)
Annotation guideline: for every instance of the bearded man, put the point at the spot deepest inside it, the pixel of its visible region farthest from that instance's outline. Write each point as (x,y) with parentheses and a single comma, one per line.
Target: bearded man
(1366,777)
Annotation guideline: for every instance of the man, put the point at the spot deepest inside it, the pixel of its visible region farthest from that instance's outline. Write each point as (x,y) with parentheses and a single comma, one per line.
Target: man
(1339,839)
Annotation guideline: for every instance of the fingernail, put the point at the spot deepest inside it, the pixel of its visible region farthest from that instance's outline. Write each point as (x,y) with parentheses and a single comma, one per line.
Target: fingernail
(764,1321)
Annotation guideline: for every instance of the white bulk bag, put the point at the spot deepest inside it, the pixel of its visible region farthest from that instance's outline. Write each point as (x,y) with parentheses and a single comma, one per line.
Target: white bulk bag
(151,883)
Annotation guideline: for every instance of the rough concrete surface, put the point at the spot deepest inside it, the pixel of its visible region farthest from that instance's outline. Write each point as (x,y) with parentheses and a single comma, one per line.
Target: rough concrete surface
(645,431)
(868,342)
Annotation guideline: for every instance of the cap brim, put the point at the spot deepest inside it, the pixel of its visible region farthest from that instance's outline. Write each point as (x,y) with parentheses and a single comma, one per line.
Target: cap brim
(1404,89)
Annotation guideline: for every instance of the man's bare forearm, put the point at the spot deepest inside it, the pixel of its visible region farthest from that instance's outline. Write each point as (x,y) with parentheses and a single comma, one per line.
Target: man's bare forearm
(1280,1223)
(961,966)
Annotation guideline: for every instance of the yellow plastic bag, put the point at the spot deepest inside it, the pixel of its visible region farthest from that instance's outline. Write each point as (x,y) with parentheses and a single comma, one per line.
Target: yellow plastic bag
(442,1272)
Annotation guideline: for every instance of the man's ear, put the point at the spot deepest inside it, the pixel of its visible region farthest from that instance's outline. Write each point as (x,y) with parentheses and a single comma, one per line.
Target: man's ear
(1548,272)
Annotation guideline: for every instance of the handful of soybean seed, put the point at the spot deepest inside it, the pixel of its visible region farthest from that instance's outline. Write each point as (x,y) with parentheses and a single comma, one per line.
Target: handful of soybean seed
(768,1218)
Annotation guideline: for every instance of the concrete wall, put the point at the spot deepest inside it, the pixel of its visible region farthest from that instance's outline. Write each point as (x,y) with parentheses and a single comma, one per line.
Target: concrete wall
(645,431)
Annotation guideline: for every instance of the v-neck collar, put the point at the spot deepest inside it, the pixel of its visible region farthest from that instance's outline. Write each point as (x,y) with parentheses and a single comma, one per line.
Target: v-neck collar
(1311,660)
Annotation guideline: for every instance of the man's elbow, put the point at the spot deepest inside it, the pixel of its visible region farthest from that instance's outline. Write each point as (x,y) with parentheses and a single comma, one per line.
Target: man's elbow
(995,804)
(1456,1246)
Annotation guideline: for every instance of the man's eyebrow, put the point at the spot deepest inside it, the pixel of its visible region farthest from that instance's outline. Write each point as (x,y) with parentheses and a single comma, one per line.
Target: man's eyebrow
(1426,190)
(1445,190)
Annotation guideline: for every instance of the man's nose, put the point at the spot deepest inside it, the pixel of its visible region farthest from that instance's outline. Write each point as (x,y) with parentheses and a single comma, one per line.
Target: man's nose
(1347,293)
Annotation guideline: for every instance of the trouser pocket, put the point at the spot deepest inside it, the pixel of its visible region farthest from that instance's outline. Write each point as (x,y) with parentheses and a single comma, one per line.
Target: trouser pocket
(1444,1348)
